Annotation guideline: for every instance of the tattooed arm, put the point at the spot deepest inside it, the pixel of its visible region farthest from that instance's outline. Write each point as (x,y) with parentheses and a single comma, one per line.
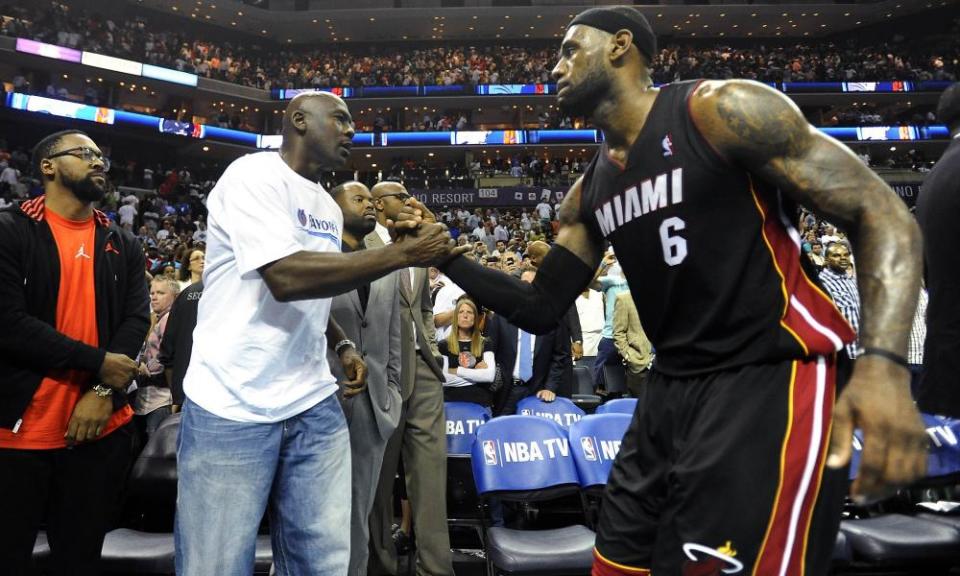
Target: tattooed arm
(761,130)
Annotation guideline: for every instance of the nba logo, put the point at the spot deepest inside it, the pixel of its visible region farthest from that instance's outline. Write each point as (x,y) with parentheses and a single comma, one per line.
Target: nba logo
(589,452)
(489,453)
(526,412)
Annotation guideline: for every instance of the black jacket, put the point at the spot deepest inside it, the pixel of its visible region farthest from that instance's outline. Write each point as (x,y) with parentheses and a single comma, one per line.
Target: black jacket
(30,345)
(551,354)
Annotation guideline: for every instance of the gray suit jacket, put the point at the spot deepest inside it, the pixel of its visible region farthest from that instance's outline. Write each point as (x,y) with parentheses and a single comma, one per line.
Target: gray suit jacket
(377,336)
(415,310)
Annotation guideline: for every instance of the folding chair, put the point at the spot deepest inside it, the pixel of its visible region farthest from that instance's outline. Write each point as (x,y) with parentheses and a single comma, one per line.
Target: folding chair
(595,443)
(463,504)
(583,395)
(526,459)
(615,379)
(618,406)
(562,410)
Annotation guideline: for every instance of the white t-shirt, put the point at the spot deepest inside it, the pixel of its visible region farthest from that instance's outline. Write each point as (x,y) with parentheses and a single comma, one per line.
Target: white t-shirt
(256,359)
(127,213)
(544,210)
(446,301)
(591,313)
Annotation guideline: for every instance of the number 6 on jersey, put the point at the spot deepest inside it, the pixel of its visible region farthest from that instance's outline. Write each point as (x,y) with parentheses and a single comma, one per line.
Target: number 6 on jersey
(674,247)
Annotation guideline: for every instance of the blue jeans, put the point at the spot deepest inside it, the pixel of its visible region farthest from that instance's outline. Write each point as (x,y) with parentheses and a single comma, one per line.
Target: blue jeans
(230,471)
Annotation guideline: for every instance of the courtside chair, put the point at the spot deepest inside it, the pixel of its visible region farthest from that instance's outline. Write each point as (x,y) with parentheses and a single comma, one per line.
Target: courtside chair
(562,410)
(595,442)
(583,395)
(463,419)
(527,459)
(152,496)
(618,406)
(615,379)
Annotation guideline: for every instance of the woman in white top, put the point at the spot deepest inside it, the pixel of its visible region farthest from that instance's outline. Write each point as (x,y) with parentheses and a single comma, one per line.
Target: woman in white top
(468,360)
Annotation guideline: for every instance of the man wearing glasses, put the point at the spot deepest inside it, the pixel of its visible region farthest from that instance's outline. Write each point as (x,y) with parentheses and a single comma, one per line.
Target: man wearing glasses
(75,312)
(420,437)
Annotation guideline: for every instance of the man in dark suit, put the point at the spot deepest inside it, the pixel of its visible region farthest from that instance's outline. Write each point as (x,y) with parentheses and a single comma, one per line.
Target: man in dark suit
(370,316)
(532,364)
(421,435)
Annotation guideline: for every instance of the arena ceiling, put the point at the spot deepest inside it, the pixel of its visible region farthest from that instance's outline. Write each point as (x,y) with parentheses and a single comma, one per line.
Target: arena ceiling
(379,21)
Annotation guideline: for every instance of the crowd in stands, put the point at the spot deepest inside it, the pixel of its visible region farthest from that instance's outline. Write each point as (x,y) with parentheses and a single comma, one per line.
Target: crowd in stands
(263,66)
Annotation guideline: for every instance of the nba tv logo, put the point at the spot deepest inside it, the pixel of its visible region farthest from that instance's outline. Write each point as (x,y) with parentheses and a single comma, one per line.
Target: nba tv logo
(489,453)
(589,448)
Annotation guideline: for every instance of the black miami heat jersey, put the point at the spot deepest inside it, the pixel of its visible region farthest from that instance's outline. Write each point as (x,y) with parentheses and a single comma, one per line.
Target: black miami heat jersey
(709,251)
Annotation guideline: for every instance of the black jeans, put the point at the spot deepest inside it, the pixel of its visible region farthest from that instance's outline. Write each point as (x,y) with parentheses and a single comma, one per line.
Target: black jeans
(74,491)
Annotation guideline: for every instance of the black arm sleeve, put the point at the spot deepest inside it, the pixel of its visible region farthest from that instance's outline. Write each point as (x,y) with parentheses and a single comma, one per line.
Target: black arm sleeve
(537,307)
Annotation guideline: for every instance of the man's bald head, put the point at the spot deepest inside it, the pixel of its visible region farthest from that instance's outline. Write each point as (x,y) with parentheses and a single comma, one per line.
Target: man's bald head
(310,102)
(317,133)
(389,198)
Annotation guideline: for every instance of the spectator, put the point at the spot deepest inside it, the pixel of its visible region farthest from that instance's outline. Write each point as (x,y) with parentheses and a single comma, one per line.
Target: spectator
(177,343)
(590,310)
(469,364)
(938,214)
(127,213)
(154,400)
(840,282)
(420,436)
(191,268)
(64,424)
(275,404)
(370,316)
(631,342)
(611,283)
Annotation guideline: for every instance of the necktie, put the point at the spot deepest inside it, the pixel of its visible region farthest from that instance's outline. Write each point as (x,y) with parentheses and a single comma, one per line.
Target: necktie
(525,371)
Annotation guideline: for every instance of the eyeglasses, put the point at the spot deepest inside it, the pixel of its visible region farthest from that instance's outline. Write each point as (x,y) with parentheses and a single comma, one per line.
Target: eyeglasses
(403,196)
(84,153)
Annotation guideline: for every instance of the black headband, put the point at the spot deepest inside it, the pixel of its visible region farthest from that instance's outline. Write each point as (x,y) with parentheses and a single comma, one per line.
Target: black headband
(612,19)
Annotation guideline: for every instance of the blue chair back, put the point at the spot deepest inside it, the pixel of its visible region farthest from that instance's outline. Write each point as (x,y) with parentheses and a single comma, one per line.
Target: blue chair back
(522,454)
(562,411)
(943,453)
(595,442)
(618,406)
(463,419)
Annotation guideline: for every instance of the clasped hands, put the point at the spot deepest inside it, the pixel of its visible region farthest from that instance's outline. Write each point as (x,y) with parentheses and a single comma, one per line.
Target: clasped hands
(425,241)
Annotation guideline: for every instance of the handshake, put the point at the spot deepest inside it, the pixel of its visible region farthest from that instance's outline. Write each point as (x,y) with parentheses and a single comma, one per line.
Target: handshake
(422,240)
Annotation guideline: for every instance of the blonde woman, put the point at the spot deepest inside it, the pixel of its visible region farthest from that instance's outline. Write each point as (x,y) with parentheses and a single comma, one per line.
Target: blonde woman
(468,360)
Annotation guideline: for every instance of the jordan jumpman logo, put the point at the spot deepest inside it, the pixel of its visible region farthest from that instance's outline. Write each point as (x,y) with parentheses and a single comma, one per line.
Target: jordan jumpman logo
(81,253)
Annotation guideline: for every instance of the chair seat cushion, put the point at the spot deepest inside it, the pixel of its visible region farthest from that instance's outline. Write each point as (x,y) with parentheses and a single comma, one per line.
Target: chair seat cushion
(555,552)
(895,538)
(126,550)
(841,550)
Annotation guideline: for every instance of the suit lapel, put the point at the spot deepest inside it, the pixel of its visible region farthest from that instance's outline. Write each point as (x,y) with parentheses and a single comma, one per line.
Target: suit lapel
(405,290)
(354,297)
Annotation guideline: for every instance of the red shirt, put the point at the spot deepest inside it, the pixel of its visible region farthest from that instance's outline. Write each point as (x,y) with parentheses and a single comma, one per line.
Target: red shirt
(45,421)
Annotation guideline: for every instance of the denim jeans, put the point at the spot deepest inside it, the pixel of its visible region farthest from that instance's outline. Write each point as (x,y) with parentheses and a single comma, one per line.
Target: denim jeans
(230,471)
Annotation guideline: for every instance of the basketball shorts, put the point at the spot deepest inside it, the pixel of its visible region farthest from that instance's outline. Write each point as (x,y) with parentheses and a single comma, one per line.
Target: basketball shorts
(725,473)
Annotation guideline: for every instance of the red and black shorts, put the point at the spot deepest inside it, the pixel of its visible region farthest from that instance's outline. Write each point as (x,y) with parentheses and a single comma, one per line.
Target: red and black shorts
(725,473)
